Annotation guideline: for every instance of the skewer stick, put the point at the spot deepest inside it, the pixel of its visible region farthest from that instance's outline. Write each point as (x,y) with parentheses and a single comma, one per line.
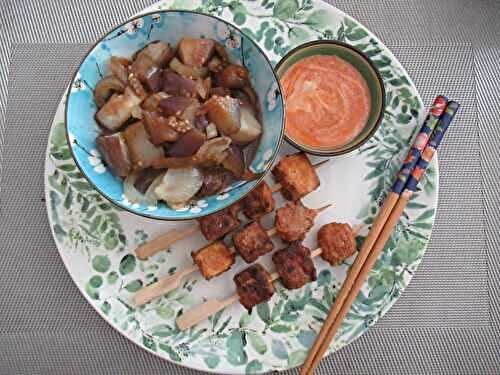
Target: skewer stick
(201,312)
(168,283)
(172,236)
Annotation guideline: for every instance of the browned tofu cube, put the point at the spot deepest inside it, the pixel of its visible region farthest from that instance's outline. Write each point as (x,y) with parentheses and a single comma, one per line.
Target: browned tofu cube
(219,224)
(337,242)
(293,221)
(252,242)
(254,285)
(259,202)
(213,259)
(297,176)
(294,265)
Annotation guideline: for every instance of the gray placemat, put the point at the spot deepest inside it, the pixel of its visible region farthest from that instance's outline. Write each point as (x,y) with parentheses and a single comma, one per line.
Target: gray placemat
(445,322)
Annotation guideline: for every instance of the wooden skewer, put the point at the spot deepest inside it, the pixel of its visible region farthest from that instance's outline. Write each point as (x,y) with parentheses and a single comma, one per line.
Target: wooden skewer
(168,283)
(202,312)
(169,238)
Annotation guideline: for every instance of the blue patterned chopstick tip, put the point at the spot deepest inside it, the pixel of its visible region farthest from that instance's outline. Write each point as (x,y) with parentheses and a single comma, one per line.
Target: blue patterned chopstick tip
(434,142)
(437,109)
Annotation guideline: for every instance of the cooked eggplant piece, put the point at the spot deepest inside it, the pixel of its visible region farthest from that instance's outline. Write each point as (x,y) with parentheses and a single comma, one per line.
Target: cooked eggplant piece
(200,121)
(174,105)
(224,112)
(221,51)
(250,128)
(219,91)
(195,52)
(115,153)
(145,178)
(118,109)
(153,79)
(188,144)
(175,162)
(203,87)
(214,180)
(189,114)
(142,152)
(137,86)
(159,128)
(105,88)
(178,186)
(151,104)
(234,161)
(119,68)
(187,71)
(154,54)
(215,64)
(174,84)
(233,77)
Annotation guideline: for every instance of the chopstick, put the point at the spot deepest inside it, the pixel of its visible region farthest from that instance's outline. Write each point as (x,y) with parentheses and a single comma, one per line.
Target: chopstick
(382,229)
(167,239)
(168,283)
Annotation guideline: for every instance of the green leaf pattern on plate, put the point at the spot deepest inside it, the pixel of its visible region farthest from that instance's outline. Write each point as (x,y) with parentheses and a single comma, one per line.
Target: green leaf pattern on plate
(277,334)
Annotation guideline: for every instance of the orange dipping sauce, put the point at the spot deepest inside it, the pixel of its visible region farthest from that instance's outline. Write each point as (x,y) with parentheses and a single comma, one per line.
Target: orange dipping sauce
(327,101)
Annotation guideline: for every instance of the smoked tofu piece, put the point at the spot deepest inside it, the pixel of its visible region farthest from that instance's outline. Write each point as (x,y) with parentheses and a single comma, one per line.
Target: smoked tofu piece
(252,242)
(293,221)
(254,285)
(195,52)
(294,265)
(337,242)
(213,259)
(259,202)
(115,153)
(219,224)
(297,176)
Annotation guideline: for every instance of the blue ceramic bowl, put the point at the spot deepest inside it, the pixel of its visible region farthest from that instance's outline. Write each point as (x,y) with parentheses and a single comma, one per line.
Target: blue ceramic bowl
(130,37)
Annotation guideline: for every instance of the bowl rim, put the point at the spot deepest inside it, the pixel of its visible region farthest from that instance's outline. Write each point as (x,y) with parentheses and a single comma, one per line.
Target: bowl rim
(378,121)
(262,175)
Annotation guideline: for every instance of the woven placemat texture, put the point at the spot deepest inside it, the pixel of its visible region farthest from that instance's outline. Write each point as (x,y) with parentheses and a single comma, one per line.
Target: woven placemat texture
(446,322)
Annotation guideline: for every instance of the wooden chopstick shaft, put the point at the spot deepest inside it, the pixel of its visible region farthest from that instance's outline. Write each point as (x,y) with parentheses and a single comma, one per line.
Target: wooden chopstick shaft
(344,307)
(363,253)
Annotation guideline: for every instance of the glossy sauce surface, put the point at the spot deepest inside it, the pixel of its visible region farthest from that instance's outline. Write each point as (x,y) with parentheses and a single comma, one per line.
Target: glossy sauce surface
(327,101)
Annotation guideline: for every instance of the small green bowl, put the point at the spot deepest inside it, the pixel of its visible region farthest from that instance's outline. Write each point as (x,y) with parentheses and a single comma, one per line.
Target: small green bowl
(369,72)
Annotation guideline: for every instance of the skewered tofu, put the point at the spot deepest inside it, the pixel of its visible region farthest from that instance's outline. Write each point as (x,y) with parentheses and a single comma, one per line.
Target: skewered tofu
(337,242)
(213,259)
(293,221)
(252,242)
(297,176)
(254,285)
(219,224)
(259,202)
(294,265)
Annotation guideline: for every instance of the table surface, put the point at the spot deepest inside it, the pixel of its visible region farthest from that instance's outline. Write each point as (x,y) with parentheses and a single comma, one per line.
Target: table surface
(446,322)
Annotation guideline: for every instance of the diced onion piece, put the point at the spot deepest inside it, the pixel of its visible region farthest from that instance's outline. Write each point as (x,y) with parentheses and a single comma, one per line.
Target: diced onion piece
(211,131)
(213,152)
(187,71)
(151,197)
(131,193)
(250,128)
(178,186)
